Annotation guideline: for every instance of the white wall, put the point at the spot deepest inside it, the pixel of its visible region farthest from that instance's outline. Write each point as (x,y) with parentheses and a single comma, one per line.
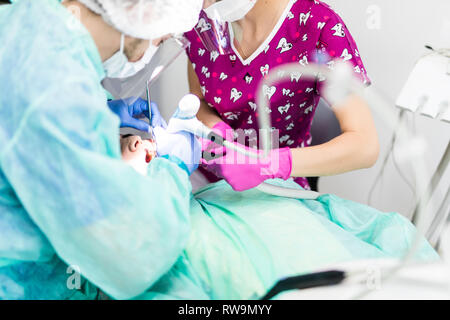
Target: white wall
(389,51)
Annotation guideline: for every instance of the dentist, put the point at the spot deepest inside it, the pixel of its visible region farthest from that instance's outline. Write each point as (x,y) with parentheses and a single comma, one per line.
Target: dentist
(73,216)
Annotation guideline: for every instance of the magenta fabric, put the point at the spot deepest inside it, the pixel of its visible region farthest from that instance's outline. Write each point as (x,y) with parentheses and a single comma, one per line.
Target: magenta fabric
(229,83)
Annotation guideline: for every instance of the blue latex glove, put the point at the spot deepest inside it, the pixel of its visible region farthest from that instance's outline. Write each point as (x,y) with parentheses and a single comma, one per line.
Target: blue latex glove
(181,145)
(157,119)
(129,111)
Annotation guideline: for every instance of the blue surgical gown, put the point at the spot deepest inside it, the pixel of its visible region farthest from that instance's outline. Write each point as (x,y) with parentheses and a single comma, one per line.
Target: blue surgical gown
(67,201)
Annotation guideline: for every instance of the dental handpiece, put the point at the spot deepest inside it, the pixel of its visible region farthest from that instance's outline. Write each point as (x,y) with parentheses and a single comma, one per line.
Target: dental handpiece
(185,119)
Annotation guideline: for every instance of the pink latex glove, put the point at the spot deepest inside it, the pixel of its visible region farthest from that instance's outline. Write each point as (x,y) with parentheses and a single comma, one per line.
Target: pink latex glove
(244,173)
(212,148)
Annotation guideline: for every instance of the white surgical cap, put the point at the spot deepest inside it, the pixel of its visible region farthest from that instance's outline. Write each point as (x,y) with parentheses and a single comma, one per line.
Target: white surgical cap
(148,19)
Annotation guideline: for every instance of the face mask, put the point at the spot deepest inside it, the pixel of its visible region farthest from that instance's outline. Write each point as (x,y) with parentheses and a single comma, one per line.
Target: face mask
(132,68)
(230,10)
(118,65)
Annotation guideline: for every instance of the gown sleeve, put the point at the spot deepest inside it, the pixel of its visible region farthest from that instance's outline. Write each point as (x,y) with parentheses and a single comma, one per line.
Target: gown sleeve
(180,283)
(123,231)
(337,43)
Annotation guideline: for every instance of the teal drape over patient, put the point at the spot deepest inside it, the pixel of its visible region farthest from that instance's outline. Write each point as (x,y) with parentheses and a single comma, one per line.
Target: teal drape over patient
(241,244)
(66,198)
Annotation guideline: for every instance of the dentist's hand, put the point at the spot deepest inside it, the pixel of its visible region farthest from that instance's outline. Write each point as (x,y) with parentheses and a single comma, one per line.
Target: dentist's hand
(157,119)
(181,145)
(129,111)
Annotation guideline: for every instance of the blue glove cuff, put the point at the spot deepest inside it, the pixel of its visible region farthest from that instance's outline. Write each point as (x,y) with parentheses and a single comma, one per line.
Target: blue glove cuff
(178,162)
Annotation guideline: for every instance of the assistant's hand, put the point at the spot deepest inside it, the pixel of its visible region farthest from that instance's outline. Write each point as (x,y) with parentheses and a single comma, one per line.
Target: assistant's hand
(244,173)
(182,145)
(129,111)
(212,149)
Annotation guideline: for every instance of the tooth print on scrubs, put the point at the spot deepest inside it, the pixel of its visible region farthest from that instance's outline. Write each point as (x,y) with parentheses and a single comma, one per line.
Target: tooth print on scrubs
(229,83)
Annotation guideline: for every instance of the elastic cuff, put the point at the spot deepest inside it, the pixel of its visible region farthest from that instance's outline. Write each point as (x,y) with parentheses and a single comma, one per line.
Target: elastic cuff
(285,168)
(178,162)
(222,127)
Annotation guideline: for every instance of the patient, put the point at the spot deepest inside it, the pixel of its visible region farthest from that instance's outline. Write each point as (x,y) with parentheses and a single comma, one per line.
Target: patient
(242,243)
(137,152)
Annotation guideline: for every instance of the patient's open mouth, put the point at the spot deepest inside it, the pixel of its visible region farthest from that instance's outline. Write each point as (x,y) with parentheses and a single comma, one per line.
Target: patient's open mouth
(150,153)
(148,156)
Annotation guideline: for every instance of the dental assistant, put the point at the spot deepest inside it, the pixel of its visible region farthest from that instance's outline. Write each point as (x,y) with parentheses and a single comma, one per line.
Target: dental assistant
(266,34)
(73,216)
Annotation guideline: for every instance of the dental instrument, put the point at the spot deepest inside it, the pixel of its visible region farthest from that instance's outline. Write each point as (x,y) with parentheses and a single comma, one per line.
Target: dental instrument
(426,94)
(151,134)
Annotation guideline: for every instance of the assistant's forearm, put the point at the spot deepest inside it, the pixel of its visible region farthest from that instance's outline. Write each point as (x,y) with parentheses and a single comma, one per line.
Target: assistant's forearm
(207,115)
(347,152)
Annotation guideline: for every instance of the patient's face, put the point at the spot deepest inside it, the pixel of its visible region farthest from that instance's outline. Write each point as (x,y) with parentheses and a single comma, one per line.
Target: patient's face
(137,152)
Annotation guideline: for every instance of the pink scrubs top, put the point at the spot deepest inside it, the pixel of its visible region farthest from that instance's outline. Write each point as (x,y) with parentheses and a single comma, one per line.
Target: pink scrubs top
(229,83)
